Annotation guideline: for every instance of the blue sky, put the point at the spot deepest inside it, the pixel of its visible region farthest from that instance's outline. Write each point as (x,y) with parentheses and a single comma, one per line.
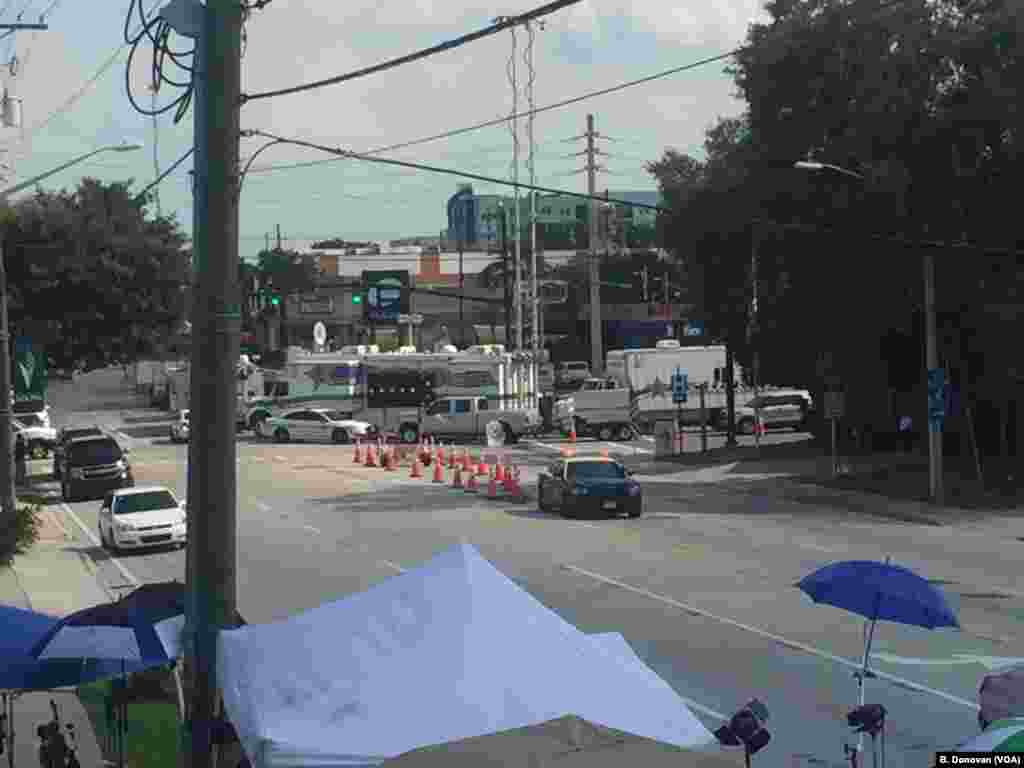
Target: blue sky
(592,45)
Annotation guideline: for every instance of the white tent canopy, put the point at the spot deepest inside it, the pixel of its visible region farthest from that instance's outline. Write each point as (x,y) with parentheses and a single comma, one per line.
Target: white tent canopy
(447,651)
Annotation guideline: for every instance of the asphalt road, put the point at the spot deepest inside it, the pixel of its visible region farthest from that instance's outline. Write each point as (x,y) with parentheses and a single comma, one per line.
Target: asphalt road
(701,586)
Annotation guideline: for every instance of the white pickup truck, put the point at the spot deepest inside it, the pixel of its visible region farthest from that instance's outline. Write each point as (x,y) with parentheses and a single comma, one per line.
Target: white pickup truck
(461,417)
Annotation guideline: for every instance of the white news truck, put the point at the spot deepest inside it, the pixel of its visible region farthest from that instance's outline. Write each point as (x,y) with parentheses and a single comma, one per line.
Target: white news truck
(649,371)
(409,392)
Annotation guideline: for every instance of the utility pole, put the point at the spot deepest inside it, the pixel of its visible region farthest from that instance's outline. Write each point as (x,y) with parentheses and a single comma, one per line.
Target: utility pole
(462,275)
(730,397)
(596,336)
(752,328)
(266,242)
(507,285)
(935,480)
(216,317)
(8,498)
(279,237)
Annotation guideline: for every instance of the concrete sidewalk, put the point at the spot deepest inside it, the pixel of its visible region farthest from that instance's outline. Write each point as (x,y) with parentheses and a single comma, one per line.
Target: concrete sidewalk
(56,577)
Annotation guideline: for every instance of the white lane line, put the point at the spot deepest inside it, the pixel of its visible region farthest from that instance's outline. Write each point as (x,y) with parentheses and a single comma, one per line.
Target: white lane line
(96,543)
(262,507)
(392,566)
(538,444)
(311,529)
(770,636)
(628,448)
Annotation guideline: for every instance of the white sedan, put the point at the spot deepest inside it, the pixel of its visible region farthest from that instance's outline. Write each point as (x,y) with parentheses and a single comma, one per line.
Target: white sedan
(316,425)
(150,516)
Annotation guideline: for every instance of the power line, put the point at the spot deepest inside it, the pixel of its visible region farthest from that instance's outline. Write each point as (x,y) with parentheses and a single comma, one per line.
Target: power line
(556,105)
(447,171)
(500,24)
(505,119)
(167,172)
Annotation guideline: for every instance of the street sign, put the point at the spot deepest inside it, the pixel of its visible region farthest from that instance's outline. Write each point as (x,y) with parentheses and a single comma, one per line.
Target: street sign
(835,405)
(416,319)
(679,386)
(403,318)
(387,295)
(695,328)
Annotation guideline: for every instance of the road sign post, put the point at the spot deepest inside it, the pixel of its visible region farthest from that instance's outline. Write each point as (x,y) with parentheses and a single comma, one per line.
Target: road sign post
(703,419)
(834,406)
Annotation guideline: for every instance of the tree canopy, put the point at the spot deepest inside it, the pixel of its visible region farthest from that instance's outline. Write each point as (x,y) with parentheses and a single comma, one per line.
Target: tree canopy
(921,99)
(90,272)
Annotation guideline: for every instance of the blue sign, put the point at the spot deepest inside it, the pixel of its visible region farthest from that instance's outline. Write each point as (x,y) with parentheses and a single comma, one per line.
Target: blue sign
(387,295)
(936,394)
(679,387)
(695,328)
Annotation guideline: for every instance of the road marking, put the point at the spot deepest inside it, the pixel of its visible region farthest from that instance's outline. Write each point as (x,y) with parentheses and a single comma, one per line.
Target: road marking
(538,444)
(311,529)
(991,663)
(628,448)
(770,636)
(280,458)
(262,507)
(97,543)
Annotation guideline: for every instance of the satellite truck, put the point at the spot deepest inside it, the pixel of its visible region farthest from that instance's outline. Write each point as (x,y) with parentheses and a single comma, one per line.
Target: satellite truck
(637,391)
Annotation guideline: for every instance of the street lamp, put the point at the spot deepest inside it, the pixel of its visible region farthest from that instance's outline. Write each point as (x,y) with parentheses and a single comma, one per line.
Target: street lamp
(7,498)
(935,374)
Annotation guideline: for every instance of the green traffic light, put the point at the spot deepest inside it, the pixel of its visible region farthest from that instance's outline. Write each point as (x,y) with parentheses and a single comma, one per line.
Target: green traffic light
(357,299)
(275,301)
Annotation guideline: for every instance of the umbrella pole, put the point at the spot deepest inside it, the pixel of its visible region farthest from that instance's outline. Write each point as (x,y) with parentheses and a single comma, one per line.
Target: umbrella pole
(862,677)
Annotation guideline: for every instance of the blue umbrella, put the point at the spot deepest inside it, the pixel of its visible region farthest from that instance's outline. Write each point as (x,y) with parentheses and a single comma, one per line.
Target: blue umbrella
(19,671)
(140,627)
(879,591)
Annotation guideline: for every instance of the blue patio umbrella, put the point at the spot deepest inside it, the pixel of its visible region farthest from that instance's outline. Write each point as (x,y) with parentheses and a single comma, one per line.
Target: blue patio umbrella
(141,627)
(20,629)
(877,591)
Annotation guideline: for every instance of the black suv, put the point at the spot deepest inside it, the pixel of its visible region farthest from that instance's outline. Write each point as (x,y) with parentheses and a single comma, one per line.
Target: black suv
(65,436)
(94,465)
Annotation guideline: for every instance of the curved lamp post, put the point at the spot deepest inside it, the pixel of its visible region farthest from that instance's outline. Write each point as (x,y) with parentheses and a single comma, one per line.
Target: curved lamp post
(7,497)
(935,471)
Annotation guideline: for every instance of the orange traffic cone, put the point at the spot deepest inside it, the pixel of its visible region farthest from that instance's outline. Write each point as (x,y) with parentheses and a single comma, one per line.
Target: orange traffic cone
(481,468)
(438,472)
(471,484)
(499,472)
(357,457)
(417,469)
(452,461)
(465,459)
(371,456)
(604,453)
(457,478)
(439,453)
(517,489)
(572,434)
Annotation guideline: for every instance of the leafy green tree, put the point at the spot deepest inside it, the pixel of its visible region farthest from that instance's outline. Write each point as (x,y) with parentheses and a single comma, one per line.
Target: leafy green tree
(289,272)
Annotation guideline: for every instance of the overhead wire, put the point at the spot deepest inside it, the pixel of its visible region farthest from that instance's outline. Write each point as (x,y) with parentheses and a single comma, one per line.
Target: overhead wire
(499,25)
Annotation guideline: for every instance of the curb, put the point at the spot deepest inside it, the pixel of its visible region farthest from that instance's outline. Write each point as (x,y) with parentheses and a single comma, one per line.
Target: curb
(875,505)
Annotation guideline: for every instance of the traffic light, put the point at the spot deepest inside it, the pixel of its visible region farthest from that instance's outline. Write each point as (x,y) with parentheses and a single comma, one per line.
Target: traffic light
(275,300)
(357,298)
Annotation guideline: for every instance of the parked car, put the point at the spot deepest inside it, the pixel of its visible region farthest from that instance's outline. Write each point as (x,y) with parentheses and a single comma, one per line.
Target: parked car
(38,439)
(180,429)
(317,425)
(575,486)
(32,413)
(131,518)
(94,465)
(787,409)
(66,435)
(571,374)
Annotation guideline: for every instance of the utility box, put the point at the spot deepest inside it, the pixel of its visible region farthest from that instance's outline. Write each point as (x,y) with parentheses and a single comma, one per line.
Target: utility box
(665,439)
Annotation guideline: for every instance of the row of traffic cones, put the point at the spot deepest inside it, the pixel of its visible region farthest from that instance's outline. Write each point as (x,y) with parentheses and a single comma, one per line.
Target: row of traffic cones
(502,481)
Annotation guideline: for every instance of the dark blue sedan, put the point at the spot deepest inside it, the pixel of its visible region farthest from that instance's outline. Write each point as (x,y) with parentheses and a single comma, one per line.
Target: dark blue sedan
(591,485)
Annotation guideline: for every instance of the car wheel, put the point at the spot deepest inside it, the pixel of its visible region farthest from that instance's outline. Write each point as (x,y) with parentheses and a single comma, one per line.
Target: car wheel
(66,492)
(281,435)
(605,433)
(746,426)
(638,510)
(567,510)
(624,433)
(540,498)
(408,433)
(510,436)
(339,436)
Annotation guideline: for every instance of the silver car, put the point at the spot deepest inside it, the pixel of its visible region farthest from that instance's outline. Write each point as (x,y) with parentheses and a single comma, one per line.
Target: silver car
(787,409)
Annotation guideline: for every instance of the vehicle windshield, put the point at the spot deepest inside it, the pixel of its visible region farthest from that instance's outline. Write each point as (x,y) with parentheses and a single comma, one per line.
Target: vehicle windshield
(596,470)
(95,452)
(147,501)
(336,415)
(757,402)
(31,420)
(29,406)
(72,434)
